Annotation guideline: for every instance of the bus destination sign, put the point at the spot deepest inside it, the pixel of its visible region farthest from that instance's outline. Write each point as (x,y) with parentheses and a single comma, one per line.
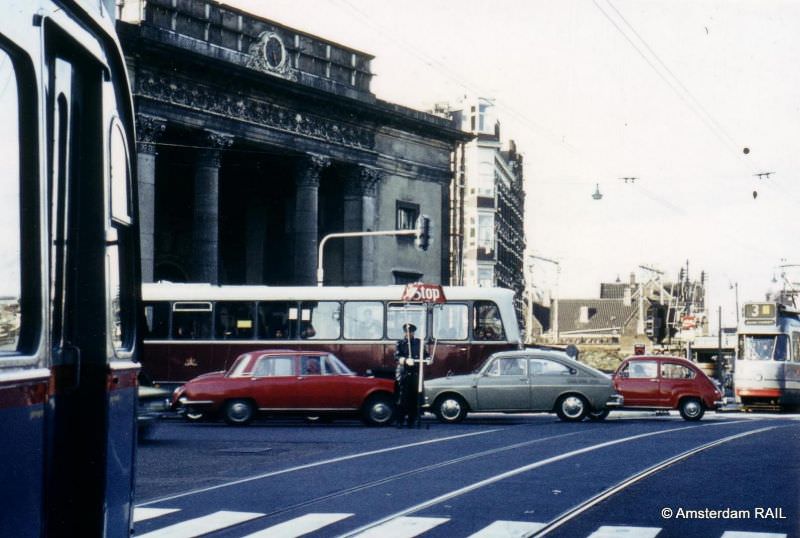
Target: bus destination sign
(423,293)
(760,314)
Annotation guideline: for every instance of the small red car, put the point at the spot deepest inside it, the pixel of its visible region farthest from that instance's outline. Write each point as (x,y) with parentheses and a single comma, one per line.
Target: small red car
(662,382)
(304,383)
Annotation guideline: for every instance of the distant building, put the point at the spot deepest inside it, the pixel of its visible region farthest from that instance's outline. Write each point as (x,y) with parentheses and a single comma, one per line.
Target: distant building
(488,200)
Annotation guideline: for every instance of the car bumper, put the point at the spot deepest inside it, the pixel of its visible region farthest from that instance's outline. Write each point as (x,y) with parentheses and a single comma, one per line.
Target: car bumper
(615,400)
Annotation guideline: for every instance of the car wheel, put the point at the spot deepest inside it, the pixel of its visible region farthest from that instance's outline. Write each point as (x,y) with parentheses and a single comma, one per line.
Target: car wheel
(450,408)
(378,410)
(691,409)
(239,412)
(572,407)
(598,415)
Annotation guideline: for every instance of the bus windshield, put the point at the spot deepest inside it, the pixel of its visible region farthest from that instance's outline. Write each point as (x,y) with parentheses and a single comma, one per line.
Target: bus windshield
(764,347)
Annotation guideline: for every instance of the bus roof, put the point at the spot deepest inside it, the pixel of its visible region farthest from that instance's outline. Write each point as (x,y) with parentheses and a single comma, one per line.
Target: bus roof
(170,291)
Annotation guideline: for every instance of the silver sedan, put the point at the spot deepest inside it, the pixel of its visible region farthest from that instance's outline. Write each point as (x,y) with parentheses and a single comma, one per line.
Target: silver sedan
(524,381)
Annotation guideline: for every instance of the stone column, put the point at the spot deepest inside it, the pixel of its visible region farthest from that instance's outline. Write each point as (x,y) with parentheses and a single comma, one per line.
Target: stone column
(306,228)
(205,224)
(148,130)
(360,211)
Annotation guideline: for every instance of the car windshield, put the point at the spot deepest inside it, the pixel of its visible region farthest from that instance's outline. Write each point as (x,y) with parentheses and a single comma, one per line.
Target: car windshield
(238,366)
(335,366)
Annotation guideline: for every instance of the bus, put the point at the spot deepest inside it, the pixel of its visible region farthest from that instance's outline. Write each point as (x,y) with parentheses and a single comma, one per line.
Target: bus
(767,373)
(192,329)
(69,276)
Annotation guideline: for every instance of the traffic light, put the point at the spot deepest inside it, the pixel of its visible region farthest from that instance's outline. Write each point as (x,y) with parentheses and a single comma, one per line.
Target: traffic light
(655,323)
(423,237)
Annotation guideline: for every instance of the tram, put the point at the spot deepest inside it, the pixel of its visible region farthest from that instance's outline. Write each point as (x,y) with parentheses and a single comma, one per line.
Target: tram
(69,276)
(767,373)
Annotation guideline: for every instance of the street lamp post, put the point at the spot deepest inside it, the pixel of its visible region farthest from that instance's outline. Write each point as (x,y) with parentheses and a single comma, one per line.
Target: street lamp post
(554,310)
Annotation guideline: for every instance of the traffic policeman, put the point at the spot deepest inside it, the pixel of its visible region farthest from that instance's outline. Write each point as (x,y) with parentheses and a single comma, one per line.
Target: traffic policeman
(408,353)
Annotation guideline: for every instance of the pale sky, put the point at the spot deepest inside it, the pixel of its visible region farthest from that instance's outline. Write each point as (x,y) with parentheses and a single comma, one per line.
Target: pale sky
(592,91)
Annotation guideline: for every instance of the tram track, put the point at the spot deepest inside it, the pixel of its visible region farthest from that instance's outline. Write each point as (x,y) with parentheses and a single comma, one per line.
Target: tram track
(415,509)
(580,509)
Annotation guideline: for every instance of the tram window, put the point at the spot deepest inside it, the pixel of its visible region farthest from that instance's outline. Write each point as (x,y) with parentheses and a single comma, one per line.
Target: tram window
(10,214)
(781,347)
(320,320)
(796,347)
(398,314)
(157,317)
(363,320)
(759,348)
(191,321)
(450,322)
(235,320)
(277,320)
(487,322)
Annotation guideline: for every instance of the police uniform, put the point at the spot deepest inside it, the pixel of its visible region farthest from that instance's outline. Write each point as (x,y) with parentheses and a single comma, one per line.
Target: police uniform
(407,377)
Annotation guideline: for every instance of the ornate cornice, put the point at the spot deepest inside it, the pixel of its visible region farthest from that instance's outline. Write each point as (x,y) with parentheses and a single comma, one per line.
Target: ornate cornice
(278,63)
(208,100)
(148,130)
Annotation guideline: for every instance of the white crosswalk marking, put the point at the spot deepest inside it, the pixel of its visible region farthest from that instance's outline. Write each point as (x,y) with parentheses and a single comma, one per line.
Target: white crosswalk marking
(299,526)
(403,527)
(744,534)
(508,529)
(143,514)
(202,525)
(608,531)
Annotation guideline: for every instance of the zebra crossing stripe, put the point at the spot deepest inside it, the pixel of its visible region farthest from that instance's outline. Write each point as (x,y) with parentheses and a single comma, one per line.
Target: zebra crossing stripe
(508,529)
(608,531)
(403,527)
(202,525)
(143,514)
(744,534)
(299,526)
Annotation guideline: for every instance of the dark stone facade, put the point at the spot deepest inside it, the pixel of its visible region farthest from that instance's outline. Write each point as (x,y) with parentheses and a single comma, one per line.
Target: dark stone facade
(256,140)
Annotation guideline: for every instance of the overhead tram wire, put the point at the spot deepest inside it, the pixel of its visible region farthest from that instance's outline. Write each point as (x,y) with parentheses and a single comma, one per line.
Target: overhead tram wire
(681,90)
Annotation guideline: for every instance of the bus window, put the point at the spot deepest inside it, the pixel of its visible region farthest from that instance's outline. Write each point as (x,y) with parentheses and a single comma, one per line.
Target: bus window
(10,269)
(450,322)
(235,320)
(321,320)
(277,320)
(399,314)
(191,321)
(157,317)
(363,320)
(487,322)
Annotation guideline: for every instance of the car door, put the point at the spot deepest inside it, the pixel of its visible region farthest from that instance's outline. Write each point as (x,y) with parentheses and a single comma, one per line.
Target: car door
(319,386)
(504,385)
(547,379)
(638,382)
(274,382)
(676,380)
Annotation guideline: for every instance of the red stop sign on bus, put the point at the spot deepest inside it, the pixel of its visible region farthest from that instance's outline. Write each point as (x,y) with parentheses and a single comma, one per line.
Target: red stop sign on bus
(423,293)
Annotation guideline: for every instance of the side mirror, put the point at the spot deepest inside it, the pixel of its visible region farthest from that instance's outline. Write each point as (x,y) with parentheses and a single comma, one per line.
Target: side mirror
(623,375)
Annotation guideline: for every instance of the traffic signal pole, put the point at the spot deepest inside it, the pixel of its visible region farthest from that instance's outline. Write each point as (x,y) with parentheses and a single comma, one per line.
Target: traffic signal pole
(421,232)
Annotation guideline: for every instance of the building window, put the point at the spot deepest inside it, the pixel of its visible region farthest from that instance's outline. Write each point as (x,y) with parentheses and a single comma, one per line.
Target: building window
(486,276)
(486,232)
(407,214)
(406,277)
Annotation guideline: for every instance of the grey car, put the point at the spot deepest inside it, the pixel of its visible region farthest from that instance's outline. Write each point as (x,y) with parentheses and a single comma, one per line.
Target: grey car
(524,381)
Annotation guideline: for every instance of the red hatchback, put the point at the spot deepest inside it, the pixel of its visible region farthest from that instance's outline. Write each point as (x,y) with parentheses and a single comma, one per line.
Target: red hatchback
(304,383)
(662,382)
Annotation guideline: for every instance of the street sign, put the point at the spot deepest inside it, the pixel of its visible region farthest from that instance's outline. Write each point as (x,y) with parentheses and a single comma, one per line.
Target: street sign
(423,293)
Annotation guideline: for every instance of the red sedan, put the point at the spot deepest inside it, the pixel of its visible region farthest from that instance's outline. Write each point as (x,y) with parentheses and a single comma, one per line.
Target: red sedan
(305,383)
(662,382)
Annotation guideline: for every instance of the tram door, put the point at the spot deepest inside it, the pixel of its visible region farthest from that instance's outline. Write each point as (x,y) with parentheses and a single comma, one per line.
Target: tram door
(89,484)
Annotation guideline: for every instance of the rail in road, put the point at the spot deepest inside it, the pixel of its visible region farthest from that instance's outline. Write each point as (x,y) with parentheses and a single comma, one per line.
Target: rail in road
(642,477)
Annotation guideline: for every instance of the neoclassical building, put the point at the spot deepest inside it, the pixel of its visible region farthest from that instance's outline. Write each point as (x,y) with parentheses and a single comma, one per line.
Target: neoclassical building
(256,140)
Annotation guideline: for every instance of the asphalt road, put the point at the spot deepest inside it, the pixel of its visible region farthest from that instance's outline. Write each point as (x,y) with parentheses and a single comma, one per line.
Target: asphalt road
(636,474)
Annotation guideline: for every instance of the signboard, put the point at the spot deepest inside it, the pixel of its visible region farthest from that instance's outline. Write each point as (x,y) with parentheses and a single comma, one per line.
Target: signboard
(760,313)
(688,322)
(423,293)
